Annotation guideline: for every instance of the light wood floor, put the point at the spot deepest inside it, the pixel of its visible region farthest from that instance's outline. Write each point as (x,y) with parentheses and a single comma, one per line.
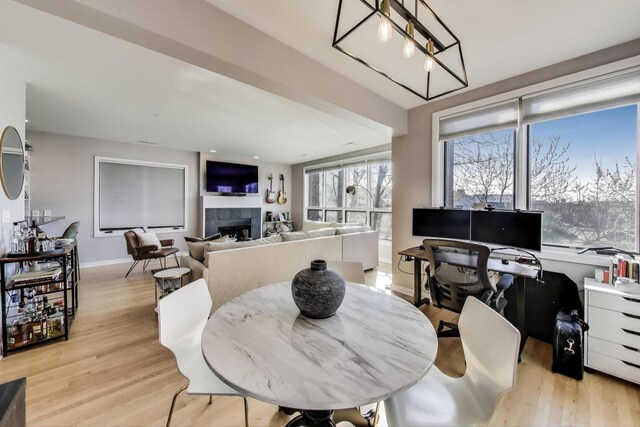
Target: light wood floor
(113,371)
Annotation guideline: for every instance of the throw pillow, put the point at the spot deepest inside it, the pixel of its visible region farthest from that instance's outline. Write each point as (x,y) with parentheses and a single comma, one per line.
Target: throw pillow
(203,239)
(196,250)
(149,238)
(321,232)
(197,245)
(294,235)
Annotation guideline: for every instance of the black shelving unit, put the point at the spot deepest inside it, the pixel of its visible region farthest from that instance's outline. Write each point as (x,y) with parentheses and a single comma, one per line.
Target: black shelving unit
(52,302)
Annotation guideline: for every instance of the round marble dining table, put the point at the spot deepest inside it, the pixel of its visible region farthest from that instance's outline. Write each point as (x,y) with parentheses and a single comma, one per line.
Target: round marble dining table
(374,346)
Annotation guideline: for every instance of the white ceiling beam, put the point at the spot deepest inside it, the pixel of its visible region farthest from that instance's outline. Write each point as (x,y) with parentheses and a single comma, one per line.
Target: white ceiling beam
(196,32)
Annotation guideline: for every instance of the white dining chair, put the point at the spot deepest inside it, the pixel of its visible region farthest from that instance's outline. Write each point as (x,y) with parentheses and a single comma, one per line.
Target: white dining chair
(351,271)
(182,316)
(490,345)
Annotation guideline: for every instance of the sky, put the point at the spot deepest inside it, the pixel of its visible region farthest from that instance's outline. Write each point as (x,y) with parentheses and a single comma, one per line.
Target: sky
(610,134)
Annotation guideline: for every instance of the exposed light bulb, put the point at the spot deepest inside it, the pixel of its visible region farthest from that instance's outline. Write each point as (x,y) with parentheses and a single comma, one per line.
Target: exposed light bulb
(384,30)
(409,46)
(429,63)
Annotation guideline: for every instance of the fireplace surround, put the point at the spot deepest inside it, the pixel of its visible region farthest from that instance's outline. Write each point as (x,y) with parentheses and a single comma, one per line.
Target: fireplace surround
(241,223)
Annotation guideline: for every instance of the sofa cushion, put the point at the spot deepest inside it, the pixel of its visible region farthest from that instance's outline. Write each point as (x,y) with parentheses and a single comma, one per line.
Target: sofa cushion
(293,235)
(321,232)
(215,246)
(352,229)
(314,225)
(197,245)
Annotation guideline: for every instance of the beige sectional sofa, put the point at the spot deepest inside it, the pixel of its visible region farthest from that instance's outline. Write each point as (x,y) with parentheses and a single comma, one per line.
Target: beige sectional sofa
(232,272)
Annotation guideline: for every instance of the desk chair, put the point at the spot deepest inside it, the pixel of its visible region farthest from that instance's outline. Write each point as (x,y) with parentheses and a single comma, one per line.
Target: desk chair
(490,345)
(182,316)
(451,294)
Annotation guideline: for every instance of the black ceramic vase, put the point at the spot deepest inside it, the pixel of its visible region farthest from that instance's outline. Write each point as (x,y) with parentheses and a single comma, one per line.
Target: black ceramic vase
(318,291)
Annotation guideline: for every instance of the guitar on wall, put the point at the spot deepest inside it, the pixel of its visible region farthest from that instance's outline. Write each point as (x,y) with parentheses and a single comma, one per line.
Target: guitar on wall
(271,195)
(282,198)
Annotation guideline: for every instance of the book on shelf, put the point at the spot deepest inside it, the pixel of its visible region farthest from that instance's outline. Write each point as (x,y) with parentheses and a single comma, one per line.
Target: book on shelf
(36,276)
(623,267)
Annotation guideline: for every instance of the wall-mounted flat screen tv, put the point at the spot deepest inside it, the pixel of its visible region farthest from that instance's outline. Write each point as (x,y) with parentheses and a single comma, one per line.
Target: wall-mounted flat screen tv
(444,223)
(225,177)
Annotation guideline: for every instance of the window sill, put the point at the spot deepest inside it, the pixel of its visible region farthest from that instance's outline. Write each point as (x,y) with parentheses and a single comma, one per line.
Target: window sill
(572,256)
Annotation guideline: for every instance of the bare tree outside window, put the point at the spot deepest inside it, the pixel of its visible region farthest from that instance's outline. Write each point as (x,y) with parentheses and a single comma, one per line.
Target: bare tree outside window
(334,188)
(585,178)
(373,183)
(582,174)
(483,169)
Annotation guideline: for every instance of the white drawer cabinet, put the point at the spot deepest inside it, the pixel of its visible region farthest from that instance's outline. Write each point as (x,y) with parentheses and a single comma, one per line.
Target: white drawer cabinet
(613,340)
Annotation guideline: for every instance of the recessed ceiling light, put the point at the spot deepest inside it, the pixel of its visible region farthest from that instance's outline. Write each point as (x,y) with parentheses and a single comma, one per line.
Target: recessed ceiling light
(256,157)
(212,151)
(349,143)
(26,120)
(303,155)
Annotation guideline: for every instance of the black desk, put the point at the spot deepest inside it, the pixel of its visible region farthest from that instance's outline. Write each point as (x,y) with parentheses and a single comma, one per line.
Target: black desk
(524,272)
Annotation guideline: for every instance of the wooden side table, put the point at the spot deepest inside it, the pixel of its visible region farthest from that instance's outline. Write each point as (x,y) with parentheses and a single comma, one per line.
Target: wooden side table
(162,288)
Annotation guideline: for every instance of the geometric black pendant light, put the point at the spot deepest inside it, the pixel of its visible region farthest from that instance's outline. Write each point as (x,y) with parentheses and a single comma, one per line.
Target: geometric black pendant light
(404,41)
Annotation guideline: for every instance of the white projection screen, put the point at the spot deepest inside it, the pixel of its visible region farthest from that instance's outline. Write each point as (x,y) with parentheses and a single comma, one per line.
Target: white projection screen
(135,194)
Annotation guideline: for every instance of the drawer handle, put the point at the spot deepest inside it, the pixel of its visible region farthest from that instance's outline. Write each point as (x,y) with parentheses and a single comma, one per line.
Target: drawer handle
(632,300)
(631,332)
(630,348)
(631,364)
(633,316)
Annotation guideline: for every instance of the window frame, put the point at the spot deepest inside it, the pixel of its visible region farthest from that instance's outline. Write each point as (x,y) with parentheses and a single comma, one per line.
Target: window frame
(521,190)
(344,165)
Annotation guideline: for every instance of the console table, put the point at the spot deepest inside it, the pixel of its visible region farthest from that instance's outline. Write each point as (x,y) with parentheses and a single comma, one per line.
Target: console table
(53,300)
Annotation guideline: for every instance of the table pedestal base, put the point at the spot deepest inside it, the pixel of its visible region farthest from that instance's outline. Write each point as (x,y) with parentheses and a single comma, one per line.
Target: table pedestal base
(312,419)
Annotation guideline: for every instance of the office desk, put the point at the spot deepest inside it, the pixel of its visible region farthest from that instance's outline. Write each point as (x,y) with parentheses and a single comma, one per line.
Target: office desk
(470,261)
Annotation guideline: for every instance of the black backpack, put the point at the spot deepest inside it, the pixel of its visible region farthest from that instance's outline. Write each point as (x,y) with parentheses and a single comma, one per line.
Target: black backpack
(568,348)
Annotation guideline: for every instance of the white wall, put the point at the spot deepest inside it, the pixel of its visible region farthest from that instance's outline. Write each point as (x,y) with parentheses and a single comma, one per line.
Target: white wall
(12,113)
(62,175)
(255,201)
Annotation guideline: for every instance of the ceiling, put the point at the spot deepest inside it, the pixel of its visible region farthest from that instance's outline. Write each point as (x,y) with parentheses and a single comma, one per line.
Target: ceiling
(500,39)
(85,83)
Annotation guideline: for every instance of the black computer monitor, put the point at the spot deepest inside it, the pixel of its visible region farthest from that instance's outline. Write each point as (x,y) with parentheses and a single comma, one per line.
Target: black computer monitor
(514,228)
(445,223)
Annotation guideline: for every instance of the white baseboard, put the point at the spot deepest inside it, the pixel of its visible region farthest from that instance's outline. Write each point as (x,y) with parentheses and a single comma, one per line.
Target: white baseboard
(402,290)
(114,261)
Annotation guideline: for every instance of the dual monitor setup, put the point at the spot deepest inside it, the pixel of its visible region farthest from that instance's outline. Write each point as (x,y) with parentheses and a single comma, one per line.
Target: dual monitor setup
(513,229)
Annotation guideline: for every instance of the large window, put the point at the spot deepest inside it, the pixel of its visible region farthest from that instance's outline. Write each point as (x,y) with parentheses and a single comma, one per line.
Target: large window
(480,170)
(327,199)
(582,173)
(571,152)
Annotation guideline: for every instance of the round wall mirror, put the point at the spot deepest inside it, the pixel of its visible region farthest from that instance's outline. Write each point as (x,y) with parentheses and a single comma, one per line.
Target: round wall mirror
(11,162)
